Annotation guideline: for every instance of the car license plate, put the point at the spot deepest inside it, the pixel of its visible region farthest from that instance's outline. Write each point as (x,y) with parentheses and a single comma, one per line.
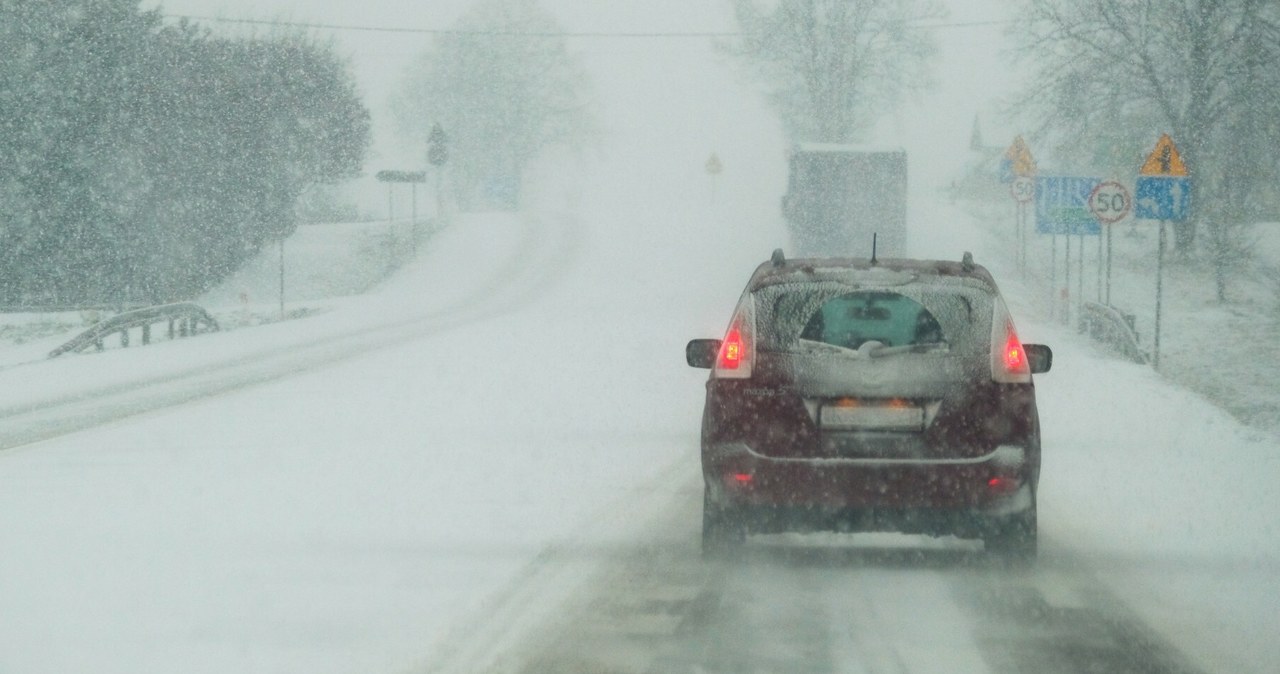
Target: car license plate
(872,418)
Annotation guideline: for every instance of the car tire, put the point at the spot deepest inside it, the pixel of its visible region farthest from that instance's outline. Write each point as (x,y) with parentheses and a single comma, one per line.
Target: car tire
(723,530)
(1014,539)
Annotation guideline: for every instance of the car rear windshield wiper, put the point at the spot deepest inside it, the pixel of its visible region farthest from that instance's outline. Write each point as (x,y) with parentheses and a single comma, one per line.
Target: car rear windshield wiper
(871,349)
(881,351)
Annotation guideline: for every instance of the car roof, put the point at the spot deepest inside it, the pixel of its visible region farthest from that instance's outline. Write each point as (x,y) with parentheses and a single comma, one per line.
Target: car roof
(782,270)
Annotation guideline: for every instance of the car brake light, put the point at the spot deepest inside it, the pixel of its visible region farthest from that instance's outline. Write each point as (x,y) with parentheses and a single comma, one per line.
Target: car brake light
(1015,359)
(1009,363)
(734,359)
(1002,485)
(731,350)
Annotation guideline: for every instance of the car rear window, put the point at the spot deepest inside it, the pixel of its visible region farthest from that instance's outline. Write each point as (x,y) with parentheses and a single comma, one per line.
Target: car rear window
(944,311)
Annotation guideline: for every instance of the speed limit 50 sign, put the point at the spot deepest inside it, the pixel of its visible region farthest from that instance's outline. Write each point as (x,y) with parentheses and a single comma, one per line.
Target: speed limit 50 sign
(1022,189)
(1110,202)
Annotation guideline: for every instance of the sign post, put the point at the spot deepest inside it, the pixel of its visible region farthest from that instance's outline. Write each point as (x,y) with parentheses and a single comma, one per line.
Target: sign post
(1162,193)
(1023,191)
(714,168)
(1062,207)
(1110,203)
(413,178)
(1018,168)
(437,156)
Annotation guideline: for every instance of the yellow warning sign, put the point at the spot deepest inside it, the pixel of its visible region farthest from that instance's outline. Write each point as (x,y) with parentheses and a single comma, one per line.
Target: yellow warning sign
(1164,160)
(714,167)
(1019,157)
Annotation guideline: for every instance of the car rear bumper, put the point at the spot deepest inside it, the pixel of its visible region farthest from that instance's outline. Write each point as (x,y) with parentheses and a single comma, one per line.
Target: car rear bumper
(758,519)
(909,495)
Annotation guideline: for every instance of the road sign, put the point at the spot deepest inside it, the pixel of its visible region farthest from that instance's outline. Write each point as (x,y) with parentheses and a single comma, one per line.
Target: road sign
(1110,202)
(437,146)
(1164,160)
(1062,206)
(1023,189)
(1162,198)
(714,166)
(402,176)
(1017,162)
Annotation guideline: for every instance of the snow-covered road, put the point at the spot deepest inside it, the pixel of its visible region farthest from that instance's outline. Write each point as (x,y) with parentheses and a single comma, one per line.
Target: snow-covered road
(490,464)
(870,603)
(479,490)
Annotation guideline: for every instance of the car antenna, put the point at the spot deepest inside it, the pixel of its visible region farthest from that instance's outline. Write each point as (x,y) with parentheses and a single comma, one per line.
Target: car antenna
(778,258)
(873,248)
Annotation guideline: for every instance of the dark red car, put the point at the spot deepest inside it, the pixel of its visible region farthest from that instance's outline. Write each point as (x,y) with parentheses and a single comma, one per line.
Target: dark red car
(864,395)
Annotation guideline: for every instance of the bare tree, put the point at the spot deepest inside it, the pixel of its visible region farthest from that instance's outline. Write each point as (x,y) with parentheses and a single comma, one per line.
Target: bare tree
(1109,76)
(503,86)
(835,65)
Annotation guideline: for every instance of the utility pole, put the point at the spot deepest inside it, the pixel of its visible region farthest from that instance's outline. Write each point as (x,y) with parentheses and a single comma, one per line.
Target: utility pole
(281,277)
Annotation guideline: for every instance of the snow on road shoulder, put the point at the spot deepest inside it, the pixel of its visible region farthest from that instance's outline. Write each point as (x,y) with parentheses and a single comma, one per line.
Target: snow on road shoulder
(1140,463)
(1152,468)
(1153,489)
(340,520)
(465,266)
(1167,498)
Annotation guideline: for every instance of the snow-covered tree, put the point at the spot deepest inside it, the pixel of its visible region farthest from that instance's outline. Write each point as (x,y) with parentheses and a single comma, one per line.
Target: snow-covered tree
(144,163)
(503,86)
(834,66)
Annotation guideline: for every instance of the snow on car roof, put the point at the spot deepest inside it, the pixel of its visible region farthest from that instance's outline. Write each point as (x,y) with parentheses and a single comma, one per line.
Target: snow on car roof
(865,271)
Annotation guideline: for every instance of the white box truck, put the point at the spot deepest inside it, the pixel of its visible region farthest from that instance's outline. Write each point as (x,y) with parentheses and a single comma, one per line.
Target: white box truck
(838,196)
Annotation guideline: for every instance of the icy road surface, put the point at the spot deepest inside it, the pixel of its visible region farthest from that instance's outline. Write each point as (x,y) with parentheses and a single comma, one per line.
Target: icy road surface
(491,465)
(472,496)
(872,603)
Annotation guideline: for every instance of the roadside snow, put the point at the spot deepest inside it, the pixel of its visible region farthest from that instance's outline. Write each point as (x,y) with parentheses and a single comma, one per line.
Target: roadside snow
(350,519)
(1152,487)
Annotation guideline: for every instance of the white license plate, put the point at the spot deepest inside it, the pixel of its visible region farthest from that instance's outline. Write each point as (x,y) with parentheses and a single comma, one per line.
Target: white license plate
(872,418)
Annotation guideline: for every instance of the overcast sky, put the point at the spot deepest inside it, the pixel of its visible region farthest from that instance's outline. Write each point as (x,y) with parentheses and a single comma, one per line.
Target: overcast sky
(972,71)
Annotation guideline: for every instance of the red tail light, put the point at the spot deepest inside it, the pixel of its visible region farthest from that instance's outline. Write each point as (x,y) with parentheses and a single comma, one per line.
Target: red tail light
(1009,364)
(736,351)
(1003,485)
(731,350)
(1009,358)
(1015,358)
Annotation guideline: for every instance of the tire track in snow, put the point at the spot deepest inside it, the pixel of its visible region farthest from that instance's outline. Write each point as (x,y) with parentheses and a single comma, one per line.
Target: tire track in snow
(494,637)
(799,604)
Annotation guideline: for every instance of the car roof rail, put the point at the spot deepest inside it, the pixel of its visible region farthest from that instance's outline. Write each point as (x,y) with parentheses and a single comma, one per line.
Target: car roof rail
(778,258)
(966,261)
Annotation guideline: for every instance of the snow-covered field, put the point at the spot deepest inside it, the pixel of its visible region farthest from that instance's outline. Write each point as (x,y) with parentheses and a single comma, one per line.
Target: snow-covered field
(518,388)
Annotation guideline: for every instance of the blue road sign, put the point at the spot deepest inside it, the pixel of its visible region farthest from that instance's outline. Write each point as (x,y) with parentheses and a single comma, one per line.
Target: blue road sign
(1062,206)
(1162,198)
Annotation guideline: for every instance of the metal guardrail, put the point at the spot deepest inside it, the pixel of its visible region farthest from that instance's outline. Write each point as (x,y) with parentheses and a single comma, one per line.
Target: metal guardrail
(1114,328)
(184,319)
(54,308)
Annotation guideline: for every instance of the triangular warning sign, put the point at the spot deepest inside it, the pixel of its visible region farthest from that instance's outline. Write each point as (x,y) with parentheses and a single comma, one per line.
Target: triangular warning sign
(1019,156)
(1164,160)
